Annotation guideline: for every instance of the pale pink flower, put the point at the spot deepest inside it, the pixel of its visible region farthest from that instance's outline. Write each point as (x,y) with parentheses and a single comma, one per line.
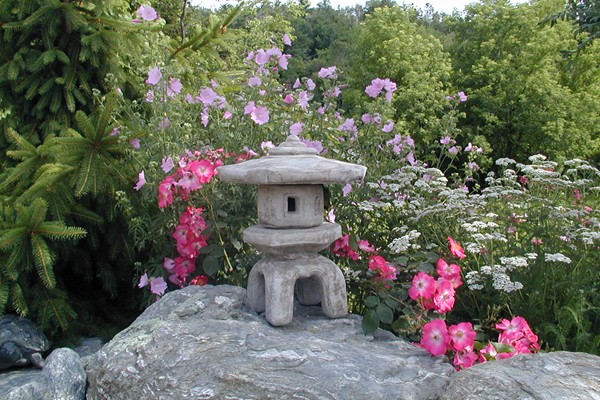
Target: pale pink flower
(254,81)
(143,280)
(260,115)
(296,128)
(365,246)
(286,39)
(387,128)
(283,60)
(331,216)
(154,76)
(303,99)
(288,99)
(347,189)
(147,13)
(297,83)
(208,96)
(167,164)
(261,57)
(310,84)
(135,143)
(445,140)
(141,181)
(158,286)
(330,72)
(174,87)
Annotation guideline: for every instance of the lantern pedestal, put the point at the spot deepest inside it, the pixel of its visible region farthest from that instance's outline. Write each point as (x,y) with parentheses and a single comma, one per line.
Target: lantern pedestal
(293,265)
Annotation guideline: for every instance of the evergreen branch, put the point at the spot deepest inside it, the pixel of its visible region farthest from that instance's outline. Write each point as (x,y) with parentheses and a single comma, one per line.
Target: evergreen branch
(83,214)
(38,210)
(84,124)
(56,230)
(4,293)
(18,300)
(104,118)
(83,181)
(43,259)
(12,237)
(20,141)
(11,265)
(49,178)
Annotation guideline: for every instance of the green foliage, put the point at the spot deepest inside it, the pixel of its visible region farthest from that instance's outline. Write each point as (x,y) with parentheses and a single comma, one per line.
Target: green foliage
(394,47)
(524,95)
(24,247)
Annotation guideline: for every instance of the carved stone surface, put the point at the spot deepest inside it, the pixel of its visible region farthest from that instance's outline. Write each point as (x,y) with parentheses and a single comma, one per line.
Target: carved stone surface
(201,343)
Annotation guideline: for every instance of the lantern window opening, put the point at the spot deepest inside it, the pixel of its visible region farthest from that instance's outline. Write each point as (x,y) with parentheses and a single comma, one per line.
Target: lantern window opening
(291,204)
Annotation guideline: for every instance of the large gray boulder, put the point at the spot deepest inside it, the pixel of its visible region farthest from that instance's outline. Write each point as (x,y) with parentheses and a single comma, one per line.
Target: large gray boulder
(544,376)
(201,343)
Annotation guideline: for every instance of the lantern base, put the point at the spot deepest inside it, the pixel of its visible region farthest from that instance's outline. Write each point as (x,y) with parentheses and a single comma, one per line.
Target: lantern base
(317,279)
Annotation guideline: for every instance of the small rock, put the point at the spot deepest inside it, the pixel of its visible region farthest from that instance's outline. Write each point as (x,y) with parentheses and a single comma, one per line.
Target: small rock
(65,375)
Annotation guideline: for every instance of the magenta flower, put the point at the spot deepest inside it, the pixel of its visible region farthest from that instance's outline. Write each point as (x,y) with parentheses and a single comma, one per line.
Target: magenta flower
(446,270)
(154,76)
(260,115)
(141,181)
(435,337)
(158,286)
(383,268)
(444,299)
(462,336)
(147,13)
(456,249)
(464,359)
(365,246)
(288,99)
(422,287)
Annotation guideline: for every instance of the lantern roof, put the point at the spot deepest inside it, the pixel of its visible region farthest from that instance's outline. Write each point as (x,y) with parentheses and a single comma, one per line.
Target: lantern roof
(291,163)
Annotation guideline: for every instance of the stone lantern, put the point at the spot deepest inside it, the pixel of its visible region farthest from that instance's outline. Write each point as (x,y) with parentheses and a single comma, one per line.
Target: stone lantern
(291,230)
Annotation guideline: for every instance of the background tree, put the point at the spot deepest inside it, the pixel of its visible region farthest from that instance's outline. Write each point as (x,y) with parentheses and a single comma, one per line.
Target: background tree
(524,96)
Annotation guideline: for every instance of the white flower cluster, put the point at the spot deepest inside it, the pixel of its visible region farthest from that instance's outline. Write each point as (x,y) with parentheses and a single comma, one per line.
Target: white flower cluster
(402,244)
(557,257)
(497,273)
(514,262)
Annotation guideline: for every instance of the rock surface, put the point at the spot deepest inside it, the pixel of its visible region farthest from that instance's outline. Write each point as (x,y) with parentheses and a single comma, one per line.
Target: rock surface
(543,376)
(62,378)
(201,343)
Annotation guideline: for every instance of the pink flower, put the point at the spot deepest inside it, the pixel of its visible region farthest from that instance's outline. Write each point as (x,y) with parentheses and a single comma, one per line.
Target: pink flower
(141,181)
(310,84)
(456,249)
(462,97)
(366,118)
(200,280)
(282,60)
(465,359)
(331,216)
(422,287)
(260,115)
(444,299)
(154,76)
(447,270)
(147,13)
(536,241)
(169,265)
(462,336)
(445,140)
(435,337)
(341,247)
(297,83)
(365,246)
(384,269)
(165,192)
(303,99)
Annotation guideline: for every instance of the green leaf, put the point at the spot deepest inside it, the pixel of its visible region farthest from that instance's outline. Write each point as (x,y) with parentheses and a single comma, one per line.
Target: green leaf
(210,265)
(385,313)
(425,267)
(370,322)
(372,301)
